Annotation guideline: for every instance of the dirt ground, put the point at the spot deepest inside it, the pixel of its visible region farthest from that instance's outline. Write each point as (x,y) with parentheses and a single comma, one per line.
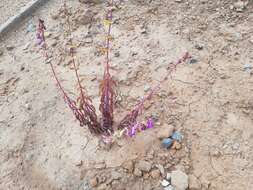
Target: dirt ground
(209,99)
(9,8)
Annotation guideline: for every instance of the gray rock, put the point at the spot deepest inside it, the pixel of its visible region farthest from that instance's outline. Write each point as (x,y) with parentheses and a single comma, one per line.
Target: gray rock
(144,166)
(179,180)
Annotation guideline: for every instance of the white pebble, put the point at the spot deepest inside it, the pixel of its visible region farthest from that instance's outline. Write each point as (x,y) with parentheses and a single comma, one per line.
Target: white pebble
(165,183)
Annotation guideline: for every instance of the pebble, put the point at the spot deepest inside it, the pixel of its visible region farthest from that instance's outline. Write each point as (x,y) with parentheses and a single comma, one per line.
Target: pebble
(176,145)
(168,176)
(54,43)
(179,180)
(1,52)
(170,187)
(31,28)
(247,67)
(193,61)
(155,174)
(165,183)
(10,47)
(251,39)
(165,131)
(178,1)
(129,166)
(177,136)
(117,54)
(161,168)
(93,182)
(54,16)
(146,88)
(137,172)
(198,46)
(144,166)
(240,6)
(167,143)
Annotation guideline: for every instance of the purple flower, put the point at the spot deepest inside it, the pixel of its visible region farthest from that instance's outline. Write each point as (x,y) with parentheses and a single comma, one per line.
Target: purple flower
(150,123)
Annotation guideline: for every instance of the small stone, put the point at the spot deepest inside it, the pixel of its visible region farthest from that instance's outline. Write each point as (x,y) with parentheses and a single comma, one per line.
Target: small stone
(170,187)
(165,183)
(79,163)
(251,39)
(137,172)
(176,145)
(26,46)
(31,27)
(144,166)
(193,61)
(240,6)
(168,176)
(167,143)
(54,43)
(165,131)
(28,106)
(155,174)
(177,136)
(199,46)
(143,31)
(1,52)
(22,68)
(54,16)
(117,54)
(178,1)
(146,88)
(179,180)
(129,166)
(93,182)
(10,47)
(161,168)
(194,184)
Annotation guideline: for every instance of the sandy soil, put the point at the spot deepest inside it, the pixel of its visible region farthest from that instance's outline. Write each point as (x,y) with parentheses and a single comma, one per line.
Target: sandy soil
(9,8)
(209,101)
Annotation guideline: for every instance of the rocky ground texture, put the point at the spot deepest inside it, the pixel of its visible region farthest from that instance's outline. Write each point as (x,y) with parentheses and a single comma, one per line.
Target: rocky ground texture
(207,99)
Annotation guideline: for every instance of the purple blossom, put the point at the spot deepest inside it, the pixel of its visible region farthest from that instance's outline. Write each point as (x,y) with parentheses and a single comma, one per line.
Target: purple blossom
(150,123)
